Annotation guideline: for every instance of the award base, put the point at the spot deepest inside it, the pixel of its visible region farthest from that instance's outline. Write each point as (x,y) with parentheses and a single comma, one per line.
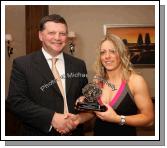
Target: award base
(91,106)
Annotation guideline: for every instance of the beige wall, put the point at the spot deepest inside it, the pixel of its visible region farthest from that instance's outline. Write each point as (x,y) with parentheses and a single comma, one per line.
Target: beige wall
(87,22)
(15,25)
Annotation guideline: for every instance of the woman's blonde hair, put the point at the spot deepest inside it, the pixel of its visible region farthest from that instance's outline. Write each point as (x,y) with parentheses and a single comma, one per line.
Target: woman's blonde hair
(123,54)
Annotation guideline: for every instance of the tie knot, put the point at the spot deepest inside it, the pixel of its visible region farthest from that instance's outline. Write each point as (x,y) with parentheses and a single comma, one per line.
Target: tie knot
(54,60)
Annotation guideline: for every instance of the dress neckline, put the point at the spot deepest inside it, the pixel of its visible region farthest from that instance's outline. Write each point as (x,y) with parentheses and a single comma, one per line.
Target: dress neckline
(116,96)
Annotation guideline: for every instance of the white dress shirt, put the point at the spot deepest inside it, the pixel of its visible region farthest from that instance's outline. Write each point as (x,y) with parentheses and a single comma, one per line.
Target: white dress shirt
(59,65)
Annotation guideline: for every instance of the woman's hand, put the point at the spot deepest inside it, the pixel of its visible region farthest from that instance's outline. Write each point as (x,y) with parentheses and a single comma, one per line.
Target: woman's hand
(80,100)
(109,115)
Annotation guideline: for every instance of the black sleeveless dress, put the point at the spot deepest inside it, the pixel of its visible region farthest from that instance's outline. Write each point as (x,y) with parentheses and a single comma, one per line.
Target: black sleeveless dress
(123,103)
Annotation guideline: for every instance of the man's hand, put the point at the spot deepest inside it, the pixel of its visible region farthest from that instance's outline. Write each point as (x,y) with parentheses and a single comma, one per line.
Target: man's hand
(74,118)
(64,123)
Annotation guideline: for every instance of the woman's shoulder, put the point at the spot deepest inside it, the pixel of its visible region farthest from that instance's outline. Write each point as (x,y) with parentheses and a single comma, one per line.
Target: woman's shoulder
(136,81)
(134,77)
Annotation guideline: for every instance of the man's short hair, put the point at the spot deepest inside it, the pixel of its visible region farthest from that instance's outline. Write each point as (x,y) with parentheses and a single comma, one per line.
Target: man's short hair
(53,18)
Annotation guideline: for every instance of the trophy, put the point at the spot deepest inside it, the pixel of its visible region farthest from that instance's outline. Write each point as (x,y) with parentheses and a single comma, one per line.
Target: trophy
(92,93)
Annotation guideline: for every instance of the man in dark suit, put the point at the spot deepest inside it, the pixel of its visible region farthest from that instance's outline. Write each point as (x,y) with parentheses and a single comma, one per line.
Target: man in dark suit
(34,95)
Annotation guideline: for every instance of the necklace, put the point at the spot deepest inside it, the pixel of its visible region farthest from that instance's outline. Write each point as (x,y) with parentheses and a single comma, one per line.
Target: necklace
(112,86)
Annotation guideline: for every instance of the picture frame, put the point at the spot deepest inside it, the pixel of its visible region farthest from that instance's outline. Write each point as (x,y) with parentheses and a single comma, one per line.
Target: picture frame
(139,40)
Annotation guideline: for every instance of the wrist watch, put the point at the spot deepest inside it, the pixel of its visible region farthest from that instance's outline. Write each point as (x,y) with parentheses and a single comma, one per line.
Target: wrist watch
(122,120)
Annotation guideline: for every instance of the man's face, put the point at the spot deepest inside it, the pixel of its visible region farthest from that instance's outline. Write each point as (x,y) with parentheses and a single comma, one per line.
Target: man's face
(53,37)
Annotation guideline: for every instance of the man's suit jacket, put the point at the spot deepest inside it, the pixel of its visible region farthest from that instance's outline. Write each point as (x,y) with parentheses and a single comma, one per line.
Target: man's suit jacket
(34,95)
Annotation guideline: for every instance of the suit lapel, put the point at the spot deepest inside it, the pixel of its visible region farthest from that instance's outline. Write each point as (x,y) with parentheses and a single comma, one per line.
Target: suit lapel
(42,66)
(68,70)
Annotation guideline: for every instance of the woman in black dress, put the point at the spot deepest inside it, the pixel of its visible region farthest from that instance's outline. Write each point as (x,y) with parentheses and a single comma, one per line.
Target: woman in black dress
(129,104)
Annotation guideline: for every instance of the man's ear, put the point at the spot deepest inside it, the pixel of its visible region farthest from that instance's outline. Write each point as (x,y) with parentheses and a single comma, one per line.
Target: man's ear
(40,36)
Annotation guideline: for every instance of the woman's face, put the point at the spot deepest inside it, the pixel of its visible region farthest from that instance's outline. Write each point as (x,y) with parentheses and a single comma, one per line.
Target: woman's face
(109,56)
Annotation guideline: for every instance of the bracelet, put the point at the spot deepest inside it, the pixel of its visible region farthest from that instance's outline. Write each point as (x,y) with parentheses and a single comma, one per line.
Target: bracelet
(122,120)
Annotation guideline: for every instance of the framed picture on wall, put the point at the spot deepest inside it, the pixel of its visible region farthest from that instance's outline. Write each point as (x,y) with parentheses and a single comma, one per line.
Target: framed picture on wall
(139,40)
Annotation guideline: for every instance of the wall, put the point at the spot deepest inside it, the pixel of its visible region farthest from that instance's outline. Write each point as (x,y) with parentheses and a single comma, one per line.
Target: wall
(15,25)
(87,22)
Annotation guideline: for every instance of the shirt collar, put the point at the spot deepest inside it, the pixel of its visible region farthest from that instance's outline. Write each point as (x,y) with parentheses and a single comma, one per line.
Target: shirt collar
(48,56)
